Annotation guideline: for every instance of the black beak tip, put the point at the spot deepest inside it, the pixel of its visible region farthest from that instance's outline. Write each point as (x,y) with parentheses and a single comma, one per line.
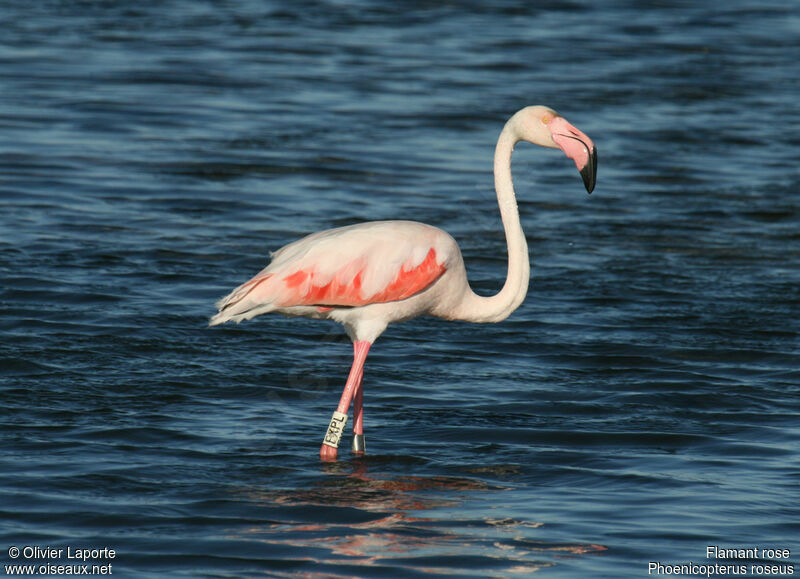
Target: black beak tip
(589,171)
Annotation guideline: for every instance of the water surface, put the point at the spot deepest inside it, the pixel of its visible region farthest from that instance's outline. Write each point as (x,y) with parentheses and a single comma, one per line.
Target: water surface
(640,405)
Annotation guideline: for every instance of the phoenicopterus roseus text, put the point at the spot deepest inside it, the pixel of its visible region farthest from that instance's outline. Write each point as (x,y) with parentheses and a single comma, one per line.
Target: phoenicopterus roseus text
(369,275)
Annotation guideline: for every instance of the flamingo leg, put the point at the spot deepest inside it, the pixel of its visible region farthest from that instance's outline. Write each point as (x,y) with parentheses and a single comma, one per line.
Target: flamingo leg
(359,446)
(330,443)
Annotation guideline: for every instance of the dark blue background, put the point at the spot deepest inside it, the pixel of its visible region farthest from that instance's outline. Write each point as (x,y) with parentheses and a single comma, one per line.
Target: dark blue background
(642,403)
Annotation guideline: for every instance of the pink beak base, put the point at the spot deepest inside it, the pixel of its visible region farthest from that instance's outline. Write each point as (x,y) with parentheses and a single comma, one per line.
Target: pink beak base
(578,147)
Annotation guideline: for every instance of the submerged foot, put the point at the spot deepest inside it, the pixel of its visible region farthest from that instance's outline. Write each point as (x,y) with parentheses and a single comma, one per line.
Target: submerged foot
(328,453)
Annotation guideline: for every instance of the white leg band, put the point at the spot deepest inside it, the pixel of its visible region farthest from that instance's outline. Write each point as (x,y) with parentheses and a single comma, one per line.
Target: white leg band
(335,429)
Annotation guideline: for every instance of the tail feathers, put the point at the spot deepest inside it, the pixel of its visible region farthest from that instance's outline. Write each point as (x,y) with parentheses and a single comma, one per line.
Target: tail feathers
(240,303)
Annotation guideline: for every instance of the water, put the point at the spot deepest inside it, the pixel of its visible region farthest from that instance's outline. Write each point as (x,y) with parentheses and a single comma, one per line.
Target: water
(641,404)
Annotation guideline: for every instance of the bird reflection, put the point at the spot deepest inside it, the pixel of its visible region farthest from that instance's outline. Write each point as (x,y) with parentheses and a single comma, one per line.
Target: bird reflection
(406,522)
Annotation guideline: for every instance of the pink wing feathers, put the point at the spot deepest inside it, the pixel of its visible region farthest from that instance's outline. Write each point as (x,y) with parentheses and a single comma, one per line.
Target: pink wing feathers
(349,266)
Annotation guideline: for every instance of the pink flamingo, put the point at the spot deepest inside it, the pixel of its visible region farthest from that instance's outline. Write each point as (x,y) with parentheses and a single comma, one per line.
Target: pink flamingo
(369,275)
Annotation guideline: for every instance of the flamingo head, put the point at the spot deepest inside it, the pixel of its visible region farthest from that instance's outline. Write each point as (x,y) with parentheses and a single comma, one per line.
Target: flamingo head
(543,126)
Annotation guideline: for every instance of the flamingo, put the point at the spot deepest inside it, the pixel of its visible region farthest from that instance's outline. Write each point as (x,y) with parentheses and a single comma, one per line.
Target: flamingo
(368,275)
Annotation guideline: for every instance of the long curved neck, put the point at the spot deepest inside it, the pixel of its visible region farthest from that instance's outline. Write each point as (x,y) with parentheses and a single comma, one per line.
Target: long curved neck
(475,308)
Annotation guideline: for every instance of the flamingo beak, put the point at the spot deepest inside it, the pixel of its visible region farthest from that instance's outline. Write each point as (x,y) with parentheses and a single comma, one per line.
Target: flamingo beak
(578,147)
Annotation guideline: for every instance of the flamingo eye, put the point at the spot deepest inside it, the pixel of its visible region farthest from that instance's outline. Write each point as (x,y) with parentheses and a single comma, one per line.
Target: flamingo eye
(546,119)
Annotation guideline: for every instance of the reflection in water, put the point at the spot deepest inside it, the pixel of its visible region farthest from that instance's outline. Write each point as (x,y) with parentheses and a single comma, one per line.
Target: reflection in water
(396,527)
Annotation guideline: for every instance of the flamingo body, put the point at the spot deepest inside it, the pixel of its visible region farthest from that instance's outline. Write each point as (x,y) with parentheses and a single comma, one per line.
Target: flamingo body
(365,276)
(369,275)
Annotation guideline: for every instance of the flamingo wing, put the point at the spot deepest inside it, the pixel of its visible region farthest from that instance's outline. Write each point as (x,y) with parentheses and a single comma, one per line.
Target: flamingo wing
(345,267)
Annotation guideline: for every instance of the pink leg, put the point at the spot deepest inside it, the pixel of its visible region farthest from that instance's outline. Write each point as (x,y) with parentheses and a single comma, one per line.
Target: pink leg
(358,417)
(328,451)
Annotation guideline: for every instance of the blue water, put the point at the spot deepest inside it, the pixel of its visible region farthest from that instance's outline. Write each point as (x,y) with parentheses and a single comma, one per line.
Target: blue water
(642,404)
